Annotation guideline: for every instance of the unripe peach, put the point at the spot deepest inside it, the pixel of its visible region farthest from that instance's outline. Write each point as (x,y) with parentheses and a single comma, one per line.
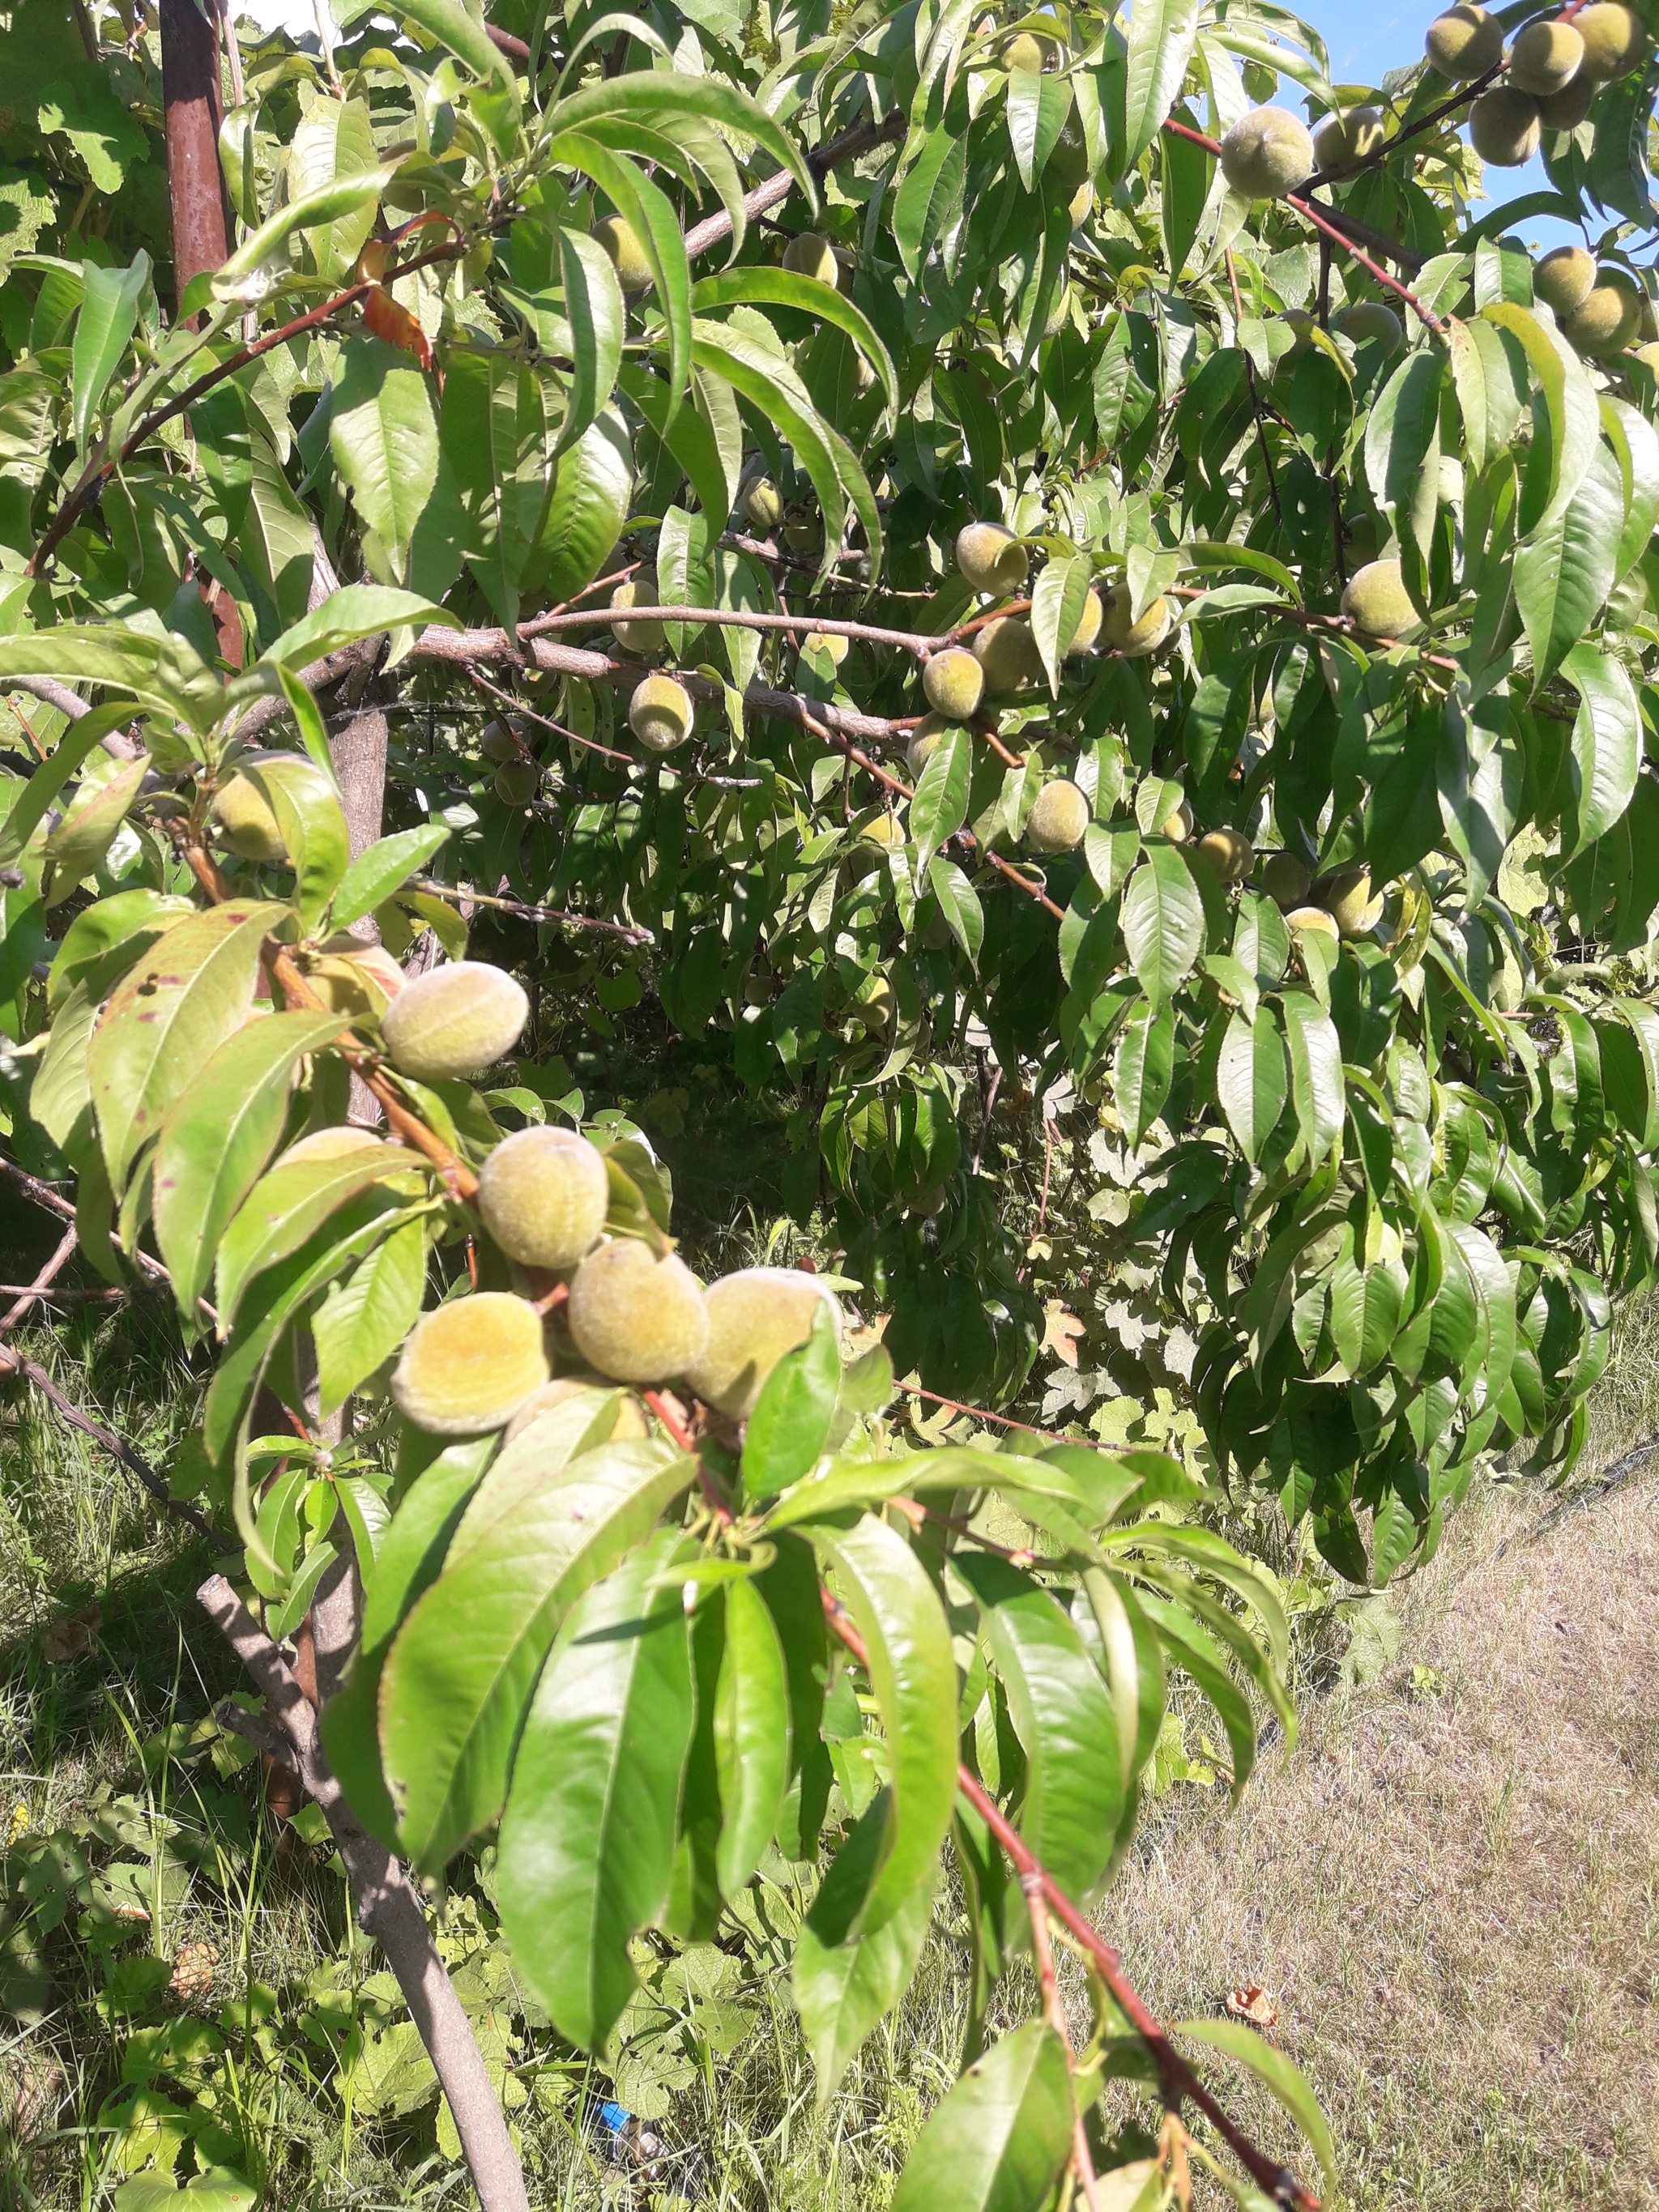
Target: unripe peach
(1134,640)
(1314,920)
(1607,319)
(358,980)
(1614,41)
(454,1020)
(1346,898)
(1566,109)
(809,255)
(1007,651)
(1505,128)
(1354,137)
(1370,320)
(1178,827)
(954,683)
(639,590)
(817,641)
(630,1422)
(517,782)
(1377,603)
(1544,57)
(877,1007)
(991,559)
(544,1195)
(635,1317)
(755,1316)
(628,257)
(1059,818)
(499,744)
(1464,43)
(1266,154)
(1228,853)
(1025,50)
(923,738)
(762,502)
(1564,280)
(1088,624)
(468,1366)
(661,715)
(249,826)
(1285,879)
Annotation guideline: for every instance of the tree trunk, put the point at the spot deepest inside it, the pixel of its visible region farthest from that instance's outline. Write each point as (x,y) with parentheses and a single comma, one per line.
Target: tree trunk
(193,108)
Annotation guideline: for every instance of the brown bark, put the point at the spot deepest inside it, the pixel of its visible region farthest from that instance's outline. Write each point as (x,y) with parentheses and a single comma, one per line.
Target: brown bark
(193,109)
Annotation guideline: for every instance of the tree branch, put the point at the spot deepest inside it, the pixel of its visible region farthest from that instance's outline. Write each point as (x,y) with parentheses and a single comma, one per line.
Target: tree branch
(862,138)
(1177,2077)
(388,1909)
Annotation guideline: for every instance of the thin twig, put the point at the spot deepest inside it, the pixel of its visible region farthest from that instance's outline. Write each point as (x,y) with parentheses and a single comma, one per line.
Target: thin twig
(39,1288)
(1042,1952)
(862,138)
(455,893)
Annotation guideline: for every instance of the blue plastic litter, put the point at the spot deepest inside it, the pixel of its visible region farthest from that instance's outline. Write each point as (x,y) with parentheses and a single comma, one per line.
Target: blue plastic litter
(616,2118)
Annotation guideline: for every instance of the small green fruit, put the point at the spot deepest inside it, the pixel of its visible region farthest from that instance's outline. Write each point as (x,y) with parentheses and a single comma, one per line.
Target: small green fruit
(1505,128)
(1544,57)
(635,1317)
(801,533)
(877,1007)
(755,1316)
(1228,852)
(1007,650)
(1068,163)
(1178,827)
(1614,41)
(1057,822)
(809,255)
(622,242)
(1346,898)
(1368,322)
(1286,880)
(1355,137)
(1377,603)
(924,738)
(544,1195)
(1464,43)
(517,782)
(1088,626)
(1313,918)
(639,590)
(1025,50)
(468,1366)
(762,502)
(1566,109)
(1607,320)
(1564,280)
(1134,640)
(954,683)
(660,714)
(499,744)
(249,826)
(629,1427)
(1648,357)
(991,559)
(1266,154)
(815,640)
(454,1020)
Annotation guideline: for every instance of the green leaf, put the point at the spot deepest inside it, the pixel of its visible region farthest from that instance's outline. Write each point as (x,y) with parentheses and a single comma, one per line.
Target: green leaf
(1276,2073)
(772,387)
(1402,455)
(383,868)
(753,1744)
(1564,573)
(587,1838)
(306,802)
(34,802)
(273,542)
(1489,369)
(106,939)
(1143,1067)
(1162,36)
(103,332)
(335,138)
(590,503)
(449,24)
(1315,1072)
(362,1321)
(789,1428)
(171,1012)
(78,844)
(940,806)
(355,610)
(845,1980)
(897,1610)
(313,210)
(647,97)
(1635,445)
(1566,420)
(218,1137)
(1250,1079)
(1163,921)
(930,198)
(1037,106)
(1063,1717)
(383,433)
(1057,604)
(787,288)
(999,2140)
(959,901)
(409,1560)
(287,1206)
(1606,750)
(162,673)
(649,213)
(597,317)
(458,1679)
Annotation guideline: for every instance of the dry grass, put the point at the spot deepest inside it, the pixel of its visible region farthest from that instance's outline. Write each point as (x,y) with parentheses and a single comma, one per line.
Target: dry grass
(1451,1887)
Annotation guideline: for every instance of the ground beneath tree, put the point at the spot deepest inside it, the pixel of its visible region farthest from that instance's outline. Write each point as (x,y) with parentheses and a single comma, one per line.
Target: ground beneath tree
(1451,1886)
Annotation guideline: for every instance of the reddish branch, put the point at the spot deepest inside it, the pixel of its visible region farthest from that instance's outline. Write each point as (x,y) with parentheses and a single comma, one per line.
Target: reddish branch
(1178,2078)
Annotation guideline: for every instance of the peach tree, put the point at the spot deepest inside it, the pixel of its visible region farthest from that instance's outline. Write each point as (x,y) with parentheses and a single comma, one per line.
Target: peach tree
(889,553)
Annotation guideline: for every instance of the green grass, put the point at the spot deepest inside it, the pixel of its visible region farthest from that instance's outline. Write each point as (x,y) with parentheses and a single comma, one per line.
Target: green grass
(1450,1886)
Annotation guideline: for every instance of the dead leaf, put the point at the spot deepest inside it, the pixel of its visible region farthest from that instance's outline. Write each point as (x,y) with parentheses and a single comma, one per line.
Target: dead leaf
(1253,2003)
(1060,1332)
(384,319)
(66,1639)
(193,1972)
